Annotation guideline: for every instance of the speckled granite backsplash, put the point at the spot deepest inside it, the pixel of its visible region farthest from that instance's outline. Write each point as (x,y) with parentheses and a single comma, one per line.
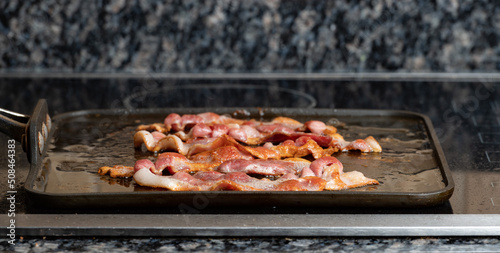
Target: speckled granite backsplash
(250,36)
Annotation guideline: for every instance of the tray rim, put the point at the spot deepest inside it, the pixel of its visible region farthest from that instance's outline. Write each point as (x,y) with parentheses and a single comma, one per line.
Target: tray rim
(446,191)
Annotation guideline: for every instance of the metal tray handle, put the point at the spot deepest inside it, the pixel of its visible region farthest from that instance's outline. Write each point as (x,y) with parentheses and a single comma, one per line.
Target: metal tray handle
(32,131)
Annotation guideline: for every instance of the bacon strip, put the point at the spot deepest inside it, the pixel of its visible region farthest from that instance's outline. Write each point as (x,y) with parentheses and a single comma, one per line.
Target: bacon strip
(263,167)
(174,143)
(179,182)
(205,161)
(211,126)
(304,145)
(117,171)
(175,122)
(368,144)
(287,122)
(322,174)
(239,181)
(158,127)
(374,145)
(180,123)
(332,171)
(330,163)
(236,181)
(354,179)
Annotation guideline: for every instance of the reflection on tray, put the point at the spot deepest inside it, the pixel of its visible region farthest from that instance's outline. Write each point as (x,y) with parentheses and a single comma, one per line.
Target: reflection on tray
(125,182)
(209,95)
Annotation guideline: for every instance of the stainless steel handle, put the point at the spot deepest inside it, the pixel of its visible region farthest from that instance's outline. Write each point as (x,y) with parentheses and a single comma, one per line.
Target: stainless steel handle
(13,124)
(32,131)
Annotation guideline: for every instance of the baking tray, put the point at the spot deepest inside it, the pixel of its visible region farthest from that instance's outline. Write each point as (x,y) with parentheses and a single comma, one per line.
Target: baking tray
(412,169)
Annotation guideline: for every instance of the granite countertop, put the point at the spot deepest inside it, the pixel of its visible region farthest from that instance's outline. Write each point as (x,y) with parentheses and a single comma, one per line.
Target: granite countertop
(250,36)
(254,245)
(135,36)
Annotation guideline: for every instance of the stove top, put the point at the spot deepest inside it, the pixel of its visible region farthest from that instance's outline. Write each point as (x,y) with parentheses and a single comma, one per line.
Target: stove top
(465,113)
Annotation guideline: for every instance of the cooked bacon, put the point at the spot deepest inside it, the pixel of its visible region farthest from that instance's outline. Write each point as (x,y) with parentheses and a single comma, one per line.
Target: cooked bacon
(319,165)
(287,122)
(290,176)
(207,151)
(158,127)
(374,145)
(335,141)
(204,161)
(274,128)
(250,132)
(174,143)
(243,133)
(209,175)
(321,140)
(263,167)
(238,134)
(303,146)
(180,123)
(323,174)
(219,130)
(307,172)
(210,144)
(236,181)
(143,164)
(179,182)
(177,123)
(240,181)
(246,134)
(172,120)
(175,162)
(220,155)
(315,126)
(332,172)
(117,171)
(302,184)
(145,137)
(354,179)
(369,144)
(231,158)
(201,130)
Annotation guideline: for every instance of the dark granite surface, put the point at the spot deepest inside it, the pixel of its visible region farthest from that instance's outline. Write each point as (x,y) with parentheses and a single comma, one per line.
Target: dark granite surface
(250,36)
(255,245)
